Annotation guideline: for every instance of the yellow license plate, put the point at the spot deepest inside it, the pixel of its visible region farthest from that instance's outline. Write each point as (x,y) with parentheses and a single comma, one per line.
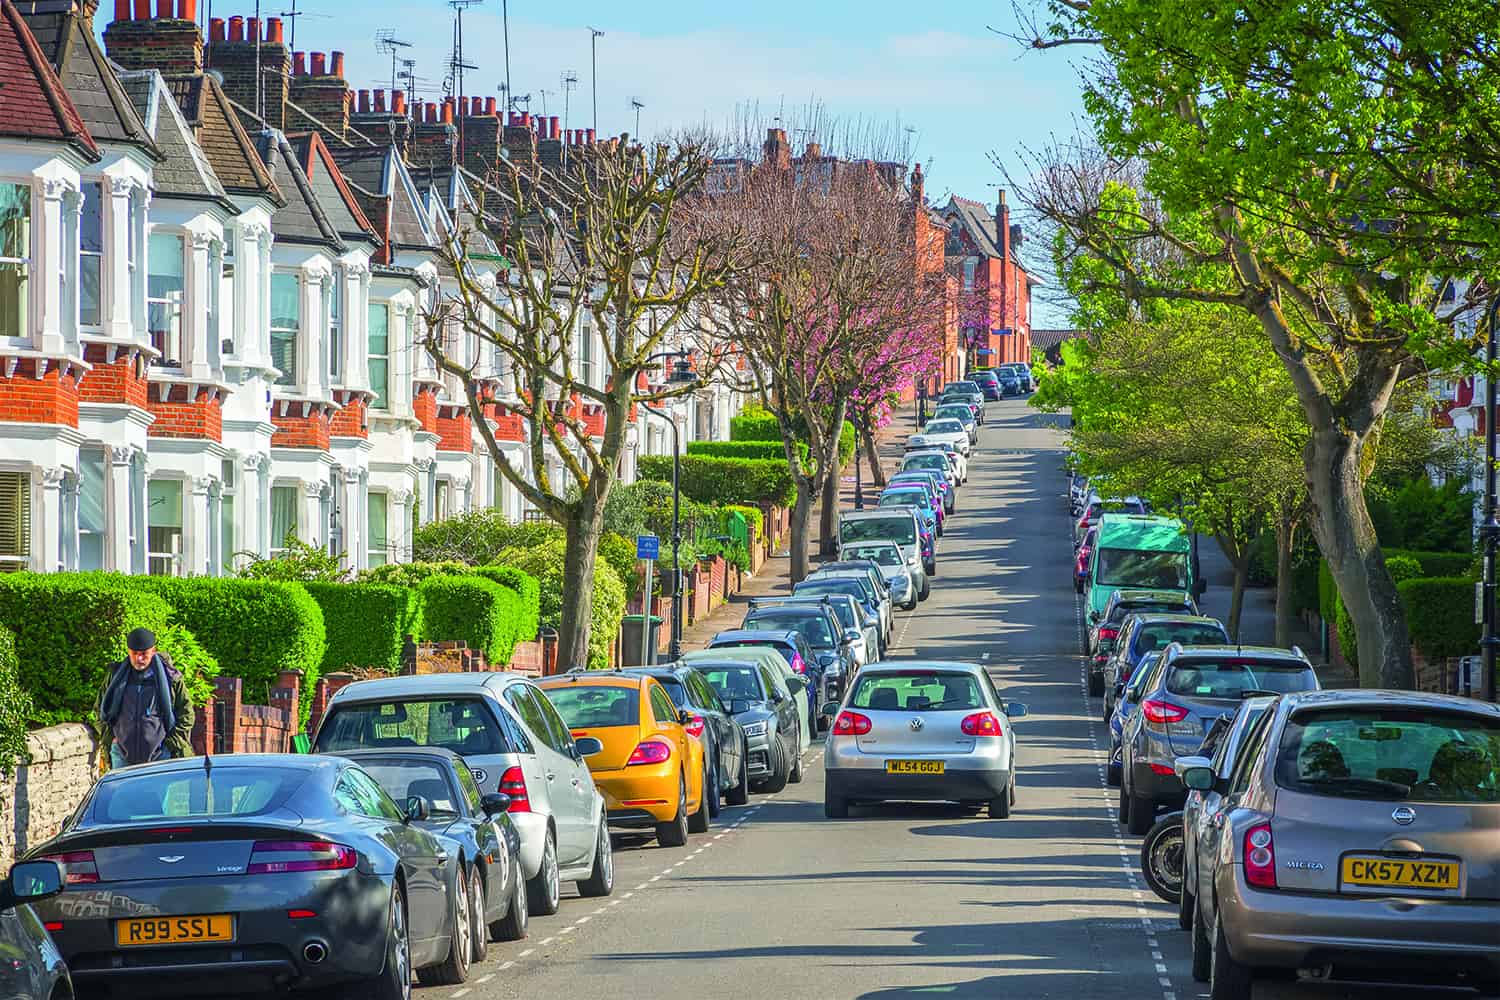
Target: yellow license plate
(1399,873)
(141,932)
(913,767)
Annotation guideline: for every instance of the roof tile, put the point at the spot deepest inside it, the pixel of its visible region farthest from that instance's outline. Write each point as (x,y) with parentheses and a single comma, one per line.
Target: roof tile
(35,105)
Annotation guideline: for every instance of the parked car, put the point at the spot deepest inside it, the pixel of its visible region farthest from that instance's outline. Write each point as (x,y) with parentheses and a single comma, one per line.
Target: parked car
(968,390)
(988,384)
(857,610)
(927,527)
(1124,706)
(900,526)
(34,967)
(956,464)
(924,730)
(1193,686)
(1010,382)
(887,556)
(863,639)
(650,771)
(961,412)
(739,645)
(1083,559)
(1359,838)
(764,708)
(304,863)
(1104,625)
(919,500)
(1141,633)
(975,404)
(713,724)
(512,739)
(935,480)
(489,846)
(833,653)
(1095,507)
(934,461)
(1022,372)
(938,431)
(1141,552)
(872,590)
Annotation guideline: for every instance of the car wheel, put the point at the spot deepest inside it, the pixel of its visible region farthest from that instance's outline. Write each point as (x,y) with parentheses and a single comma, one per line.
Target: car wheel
(1227,979)
(1185,905)
(1142,814)
(1123,812)
(794,775)
(1203,953)
(1112,771)
(1000,804)
(601,880)
(698,822)
(778,779)
(455,968)
(1161,858)
(834,806)
(512,926)
(394,981)
(1096,685)
(926,589)
(675,833)
(546,888)
(715,790)
(479,937)
(740,793)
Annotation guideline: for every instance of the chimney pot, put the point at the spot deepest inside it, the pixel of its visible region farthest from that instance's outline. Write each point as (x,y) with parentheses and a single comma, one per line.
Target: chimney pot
(526,118)
(448,111)
(252,28)
(336,64)
(432,113)
(490,105)
(299,63)
(143,10)
(589,134)
(364,101)
(319,64)
(215,29)
(122,10)
(187,10)
(236,28)
(274,31)
(476,106)
(554,130)
(164,9)
(398,102)
(379,96)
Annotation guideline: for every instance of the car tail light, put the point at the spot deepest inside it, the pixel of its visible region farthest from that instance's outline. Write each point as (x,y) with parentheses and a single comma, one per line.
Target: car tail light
(78,867)
(1162,712)
(1260,857)
(851,724)
(650,752)
(1165,770)
(980,724)
(301,914)
(1083,523)
(694,725)
(53,926)
(799,664)
(513,783)
(312,856)
(1108,633)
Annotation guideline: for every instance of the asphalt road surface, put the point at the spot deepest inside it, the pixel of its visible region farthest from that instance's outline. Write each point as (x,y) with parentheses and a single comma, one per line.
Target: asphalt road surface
(910,901)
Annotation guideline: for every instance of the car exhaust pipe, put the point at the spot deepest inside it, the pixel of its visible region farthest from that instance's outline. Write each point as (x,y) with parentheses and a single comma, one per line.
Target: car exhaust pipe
(1315,973)
(315,952)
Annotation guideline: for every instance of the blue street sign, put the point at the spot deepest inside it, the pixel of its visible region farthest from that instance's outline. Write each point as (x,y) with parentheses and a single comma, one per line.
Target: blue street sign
(647,547)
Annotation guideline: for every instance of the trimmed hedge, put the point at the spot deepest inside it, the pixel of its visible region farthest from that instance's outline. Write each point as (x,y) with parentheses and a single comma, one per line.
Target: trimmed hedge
(743,449)
(721,481)
(754,424)
(412,574)
(473,609)
(477,537)
(1440,615)
(366,623)
(1452,564)
(1402,567)
(528,615)
(16,705)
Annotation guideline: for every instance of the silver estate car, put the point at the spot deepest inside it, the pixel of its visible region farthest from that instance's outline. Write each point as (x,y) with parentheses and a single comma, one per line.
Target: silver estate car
(513,740)
(1361,838)
(927,730)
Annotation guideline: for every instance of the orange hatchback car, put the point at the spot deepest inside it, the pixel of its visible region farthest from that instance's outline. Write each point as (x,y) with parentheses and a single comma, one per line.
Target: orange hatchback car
(651,769)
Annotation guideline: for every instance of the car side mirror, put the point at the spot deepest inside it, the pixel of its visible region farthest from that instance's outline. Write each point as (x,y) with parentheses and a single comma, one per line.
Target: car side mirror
(31,882)
(1016,710)
(1195,772)
(852,636)
(417,809)
(797,684)
(495,803)
(684,716)
(587,746)
(829,709)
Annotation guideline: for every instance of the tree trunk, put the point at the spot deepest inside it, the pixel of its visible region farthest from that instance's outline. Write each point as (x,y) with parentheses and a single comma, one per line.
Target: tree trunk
(583,529)
(1286,528)
(1341,525)
(828,525)
(1239,558)
(801,522)
(872,456)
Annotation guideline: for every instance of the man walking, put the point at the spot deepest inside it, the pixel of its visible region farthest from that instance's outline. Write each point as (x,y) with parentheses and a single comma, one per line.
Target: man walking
(144,710)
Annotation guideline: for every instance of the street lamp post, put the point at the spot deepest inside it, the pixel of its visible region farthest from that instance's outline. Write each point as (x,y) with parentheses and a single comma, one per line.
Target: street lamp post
(1490,530)
(859,482)
(680,374)
(922,403)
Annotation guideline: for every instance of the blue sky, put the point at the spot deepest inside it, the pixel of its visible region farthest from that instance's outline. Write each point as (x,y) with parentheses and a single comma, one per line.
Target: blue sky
(932,67)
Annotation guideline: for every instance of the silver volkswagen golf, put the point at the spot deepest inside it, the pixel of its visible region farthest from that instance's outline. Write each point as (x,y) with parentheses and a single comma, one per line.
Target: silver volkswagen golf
(926,730)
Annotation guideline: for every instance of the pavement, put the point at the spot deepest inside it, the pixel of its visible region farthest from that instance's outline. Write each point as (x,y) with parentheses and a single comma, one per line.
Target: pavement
(911,901)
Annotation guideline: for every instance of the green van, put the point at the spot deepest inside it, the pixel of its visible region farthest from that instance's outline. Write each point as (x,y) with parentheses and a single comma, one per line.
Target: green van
(1140,552)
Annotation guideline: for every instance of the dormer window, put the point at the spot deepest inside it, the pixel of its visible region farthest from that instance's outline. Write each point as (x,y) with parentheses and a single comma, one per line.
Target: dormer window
(15,258)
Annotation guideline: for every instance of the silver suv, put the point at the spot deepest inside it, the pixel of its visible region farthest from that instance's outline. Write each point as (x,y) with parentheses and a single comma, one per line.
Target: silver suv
(514,741)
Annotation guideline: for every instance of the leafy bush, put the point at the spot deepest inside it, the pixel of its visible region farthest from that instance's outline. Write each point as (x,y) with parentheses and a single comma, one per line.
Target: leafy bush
(412,574)
(68,628)
(300,562)
(1419,515)
(1402,567)
(528,597)
(1263,560)
(196,664)
(753,517)
(16,705)
(545,562)
(720,481)
(743,449)
(1440,615)
(366,623)
(471,609)
(1438,563)
(477,537)
(754,424)
(619,552)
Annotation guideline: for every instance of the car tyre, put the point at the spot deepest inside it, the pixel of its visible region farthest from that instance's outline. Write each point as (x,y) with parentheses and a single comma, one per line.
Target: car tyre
(1122,813)
(699,821)
(1096,685)
(926,589)
(513,926)
(479,934)
(601,880)
(1157,857)
(1185,904)
(1108,709)
(394,981)
(1227,978)
(740,793)
(834,806)
(1000,804)
(794,774)
(1112,773)
(779,776)
(1203,951)
(545,889)
(454,969)
(1142,815)
(1077,585)
(715,790)
(675,832)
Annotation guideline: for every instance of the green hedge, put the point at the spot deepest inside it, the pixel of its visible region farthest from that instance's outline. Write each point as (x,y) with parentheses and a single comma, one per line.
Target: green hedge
(545,563)
(528,592)
(413,573)
(477,611)
(366,623)
(1440,615)
(721,481)
(752,516)
(743,449)
(16,705)
(1402,567)
(1452,564)
(477,537)
(754,424)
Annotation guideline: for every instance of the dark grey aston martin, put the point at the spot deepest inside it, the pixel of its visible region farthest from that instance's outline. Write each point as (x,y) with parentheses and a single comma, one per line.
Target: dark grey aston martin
(246,873)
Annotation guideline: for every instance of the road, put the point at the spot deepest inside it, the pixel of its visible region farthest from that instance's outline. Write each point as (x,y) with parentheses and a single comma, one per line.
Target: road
(910,901)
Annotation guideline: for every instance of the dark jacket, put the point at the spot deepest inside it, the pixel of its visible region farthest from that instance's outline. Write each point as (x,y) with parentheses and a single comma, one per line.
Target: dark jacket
(164,694)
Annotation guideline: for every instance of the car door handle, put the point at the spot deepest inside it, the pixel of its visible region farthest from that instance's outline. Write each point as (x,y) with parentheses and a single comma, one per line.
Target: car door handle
(442,859)
(551,775)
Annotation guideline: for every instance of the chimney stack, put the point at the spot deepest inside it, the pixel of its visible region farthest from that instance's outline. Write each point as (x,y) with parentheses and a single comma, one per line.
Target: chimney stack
(777,151)
(318,88)
(434,137)
(234,59)
(520,140)
(479,148)
(918,185)
(168,42)
(380,123)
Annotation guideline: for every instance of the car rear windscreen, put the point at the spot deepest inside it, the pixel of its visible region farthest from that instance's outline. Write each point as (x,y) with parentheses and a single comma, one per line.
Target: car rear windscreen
(733,683)
(1159,635)
(1145,568)
(885,555)
(917,691)
(813,627)
(463,725)
(901,530)
(936,462)
(1155,608)
(1235,678)
(1412,754)
(589,706)
(225,790)
(402,779)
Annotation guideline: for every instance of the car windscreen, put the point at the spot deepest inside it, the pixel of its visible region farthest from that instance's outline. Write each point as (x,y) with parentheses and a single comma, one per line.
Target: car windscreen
(1158,635)
(1396,753)
(923,483)
(1235,677)
(812,626)
(883,555)
(225,790)
(1122,609)
(917,691)
(402,779)
(901,530)
(590,706)
(787,650)
(734,683)
(463,725)
(1145,568)
(944,426)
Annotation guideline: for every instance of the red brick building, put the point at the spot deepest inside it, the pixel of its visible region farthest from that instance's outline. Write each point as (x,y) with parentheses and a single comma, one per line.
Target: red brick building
(994,286)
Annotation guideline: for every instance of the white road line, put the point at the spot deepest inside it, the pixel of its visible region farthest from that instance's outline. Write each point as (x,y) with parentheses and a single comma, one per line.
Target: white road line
(463,992)
(528,951)
(486,978)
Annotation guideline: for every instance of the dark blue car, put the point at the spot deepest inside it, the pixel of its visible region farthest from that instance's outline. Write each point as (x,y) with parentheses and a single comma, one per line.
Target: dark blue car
(1129,698)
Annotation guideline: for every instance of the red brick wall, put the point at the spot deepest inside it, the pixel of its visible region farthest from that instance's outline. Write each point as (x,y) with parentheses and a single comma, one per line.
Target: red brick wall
(112,383)
(509,426)
(51,399)
(296,431)
(177,417)
(593,420)
(455,430)
(424,407)
(350,421)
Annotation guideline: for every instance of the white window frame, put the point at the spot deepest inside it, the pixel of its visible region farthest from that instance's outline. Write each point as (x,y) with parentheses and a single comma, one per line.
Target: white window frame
(382,401)
(336,315)
(15,544)
(174,306)
(22,337)
(173,560)
(287,378)
(97,256)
